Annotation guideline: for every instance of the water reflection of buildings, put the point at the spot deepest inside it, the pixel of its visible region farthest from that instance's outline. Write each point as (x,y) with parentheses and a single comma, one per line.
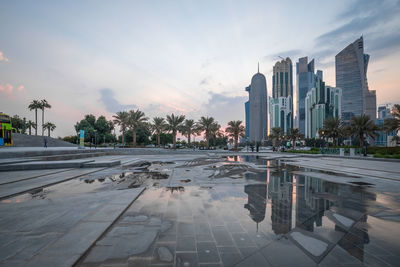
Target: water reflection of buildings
(256,201)
(314,199)
(280,191)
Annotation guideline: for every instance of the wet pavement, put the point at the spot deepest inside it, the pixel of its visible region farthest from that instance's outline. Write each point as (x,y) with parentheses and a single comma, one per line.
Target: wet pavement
(248,211)
(213,210)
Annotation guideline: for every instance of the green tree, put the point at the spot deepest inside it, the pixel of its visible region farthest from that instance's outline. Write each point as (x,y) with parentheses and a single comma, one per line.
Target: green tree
(235,129)
(214,132)
(361,127)
(294,134)
(137,119)
(35,105)
(276,134)
(205,125)
(17,123)
(333,128)
(50,127)
(158,126)
(30,124)
(122,120)
(189,128)
(174,124)
(43,105)
(165,138)
(96,130)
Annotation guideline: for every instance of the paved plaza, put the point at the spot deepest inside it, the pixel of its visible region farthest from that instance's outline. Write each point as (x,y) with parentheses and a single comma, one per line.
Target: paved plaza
(203,209)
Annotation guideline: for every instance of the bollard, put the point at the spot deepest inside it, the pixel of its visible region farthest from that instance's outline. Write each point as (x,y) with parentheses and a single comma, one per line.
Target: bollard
(342,152)
(352,152)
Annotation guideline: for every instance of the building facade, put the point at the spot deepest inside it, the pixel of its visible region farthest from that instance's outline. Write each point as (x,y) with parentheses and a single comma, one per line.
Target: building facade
(305,77)
(321,103)
(384,138)
(247,117)
(351,76)
(257,112)
(281,102)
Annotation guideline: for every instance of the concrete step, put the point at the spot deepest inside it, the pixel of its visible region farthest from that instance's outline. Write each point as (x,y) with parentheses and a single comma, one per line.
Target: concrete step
(100,164)
(42,165)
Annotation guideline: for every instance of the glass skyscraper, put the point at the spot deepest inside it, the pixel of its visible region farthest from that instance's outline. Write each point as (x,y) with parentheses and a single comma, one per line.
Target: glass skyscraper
(351,77)
(281,102)
(305,81)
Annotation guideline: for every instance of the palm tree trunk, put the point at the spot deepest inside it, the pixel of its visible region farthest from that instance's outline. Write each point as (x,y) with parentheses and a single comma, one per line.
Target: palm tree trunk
(123,138)
(236,141)
(362,141)
(134,137)
(189,139)
(30,130)
(42,121)
(293,143)
(158,139)
(174,139)
(215,140)
(207,141)
(49,131)
(36,121)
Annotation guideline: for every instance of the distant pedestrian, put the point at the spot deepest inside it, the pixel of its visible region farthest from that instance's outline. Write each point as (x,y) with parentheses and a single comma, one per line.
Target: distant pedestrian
(258,147)
(45,141)
(252,147)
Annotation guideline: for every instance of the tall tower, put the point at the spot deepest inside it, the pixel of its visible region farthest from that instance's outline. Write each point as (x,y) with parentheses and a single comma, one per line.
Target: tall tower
(351,75)
(305,82)
(257,112)
(281,102)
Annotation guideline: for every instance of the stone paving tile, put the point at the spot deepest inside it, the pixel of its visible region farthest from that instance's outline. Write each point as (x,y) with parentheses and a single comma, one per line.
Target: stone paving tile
(255,259)
(207,252)
(186,259)
(284,253)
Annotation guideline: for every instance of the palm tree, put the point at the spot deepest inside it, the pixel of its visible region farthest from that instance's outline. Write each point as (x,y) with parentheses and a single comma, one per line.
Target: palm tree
(158,127)
(276,134)
(393,124)
(122,119)
(204,125)
(44,105)
(30,124)
(235,129)
(333,128)
(35,105)
(49,126)
(294,134)
(136,119)
(174,124)
(362,126)
(189,128)
(214,131)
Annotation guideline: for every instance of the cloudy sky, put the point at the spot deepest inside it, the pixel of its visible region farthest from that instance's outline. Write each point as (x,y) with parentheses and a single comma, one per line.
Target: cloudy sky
(187,57)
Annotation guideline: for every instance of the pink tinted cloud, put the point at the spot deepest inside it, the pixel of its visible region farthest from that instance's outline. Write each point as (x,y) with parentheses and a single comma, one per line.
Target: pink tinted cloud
(2,57)
(6,89)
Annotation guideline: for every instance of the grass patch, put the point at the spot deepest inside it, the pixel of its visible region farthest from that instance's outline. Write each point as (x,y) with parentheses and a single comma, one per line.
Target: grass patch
(386,156)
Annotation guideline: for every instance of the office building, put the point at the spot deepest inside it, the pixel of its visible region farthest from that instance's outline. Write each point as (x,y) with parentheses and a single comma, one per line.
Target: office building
(257,119)
(351,76)
(281,102)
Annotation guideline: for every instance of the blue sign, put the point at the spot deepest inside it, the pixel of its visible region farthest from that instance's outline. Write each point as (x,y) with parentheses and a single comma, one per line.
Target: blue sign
(1,141)
(82,133)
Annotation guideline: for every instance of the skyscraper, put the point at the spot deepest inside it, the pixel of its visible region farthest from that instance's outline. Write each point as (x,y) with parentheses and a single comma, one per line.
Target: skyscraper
(321,103)
(351,77)
(305,81)
(257,113)
(281,102)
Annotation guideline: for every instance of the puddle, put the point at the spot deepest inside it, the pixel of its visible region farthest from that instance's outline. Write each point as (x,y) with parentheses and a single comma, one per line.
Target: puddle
(271,204)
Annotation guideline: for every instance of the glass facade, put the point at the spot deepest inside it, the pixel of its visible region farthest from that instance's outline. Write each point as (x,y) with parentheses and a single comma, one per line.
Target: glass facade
(351,75)
(305,81)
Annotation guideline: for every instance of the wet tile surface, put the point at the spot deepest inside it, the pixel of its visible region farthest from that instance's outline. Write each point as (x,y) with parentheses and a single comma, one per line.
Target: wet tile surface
(235,211)
(252,216)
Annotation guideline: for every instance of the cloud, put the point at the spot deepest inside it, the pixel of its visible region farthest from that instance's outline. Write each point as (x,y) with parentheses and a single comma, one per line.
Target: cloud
(112,105)
(225,108)
(294,53)
(6,89)
(377,20)
(2,57)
